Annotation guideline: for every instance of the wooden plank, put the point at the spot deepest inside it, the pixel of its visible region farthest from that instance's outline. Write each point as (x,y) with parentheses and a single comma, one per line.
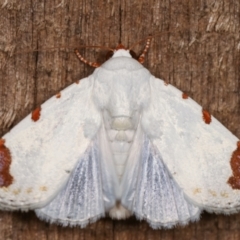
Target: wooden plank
(196,50)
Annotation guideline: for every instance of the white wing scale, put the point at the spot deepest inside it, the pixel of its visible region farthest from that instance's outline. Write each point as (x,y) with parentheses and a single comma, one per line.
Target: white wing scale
(46,151)
(197,154)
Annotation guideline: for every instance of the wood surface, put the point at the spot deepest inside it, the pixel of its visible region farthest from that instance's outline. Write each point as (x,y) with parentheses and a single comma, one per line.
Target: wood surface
(196,48)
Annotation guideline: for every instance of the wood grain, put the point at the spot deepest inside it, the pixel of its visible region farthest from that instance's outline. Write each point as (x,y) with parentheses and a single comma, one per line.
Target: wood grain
(196,49)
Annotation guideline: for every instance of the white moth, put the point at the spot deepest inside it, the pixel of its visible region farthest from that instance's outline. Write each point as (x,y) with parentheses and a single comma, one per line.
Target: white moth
(120,142)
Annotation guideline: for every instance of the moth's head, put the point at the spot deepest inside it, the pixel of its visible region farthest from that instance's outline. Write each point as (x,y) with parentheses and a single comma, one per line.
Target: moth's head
(121,51)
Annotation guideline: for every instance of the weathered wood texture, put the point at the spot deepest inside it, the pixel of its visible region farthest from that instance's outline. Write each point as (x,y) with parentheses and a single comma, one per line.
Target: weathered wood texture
(196,49)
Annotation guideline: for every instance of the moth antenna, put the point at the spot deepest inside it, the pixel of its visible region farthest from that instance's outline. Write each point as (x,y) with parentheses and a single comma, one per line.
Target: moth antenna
(92,64)
(151,36)
(149,39)
(142,56)
(81,58)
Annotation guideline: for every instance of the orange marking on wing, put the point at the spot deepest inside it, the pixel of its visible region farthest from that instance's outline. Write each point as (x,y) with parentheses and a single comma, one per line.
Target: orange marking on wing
(6,178)
(36,114)
(184,96)
(213,193)
(206,116)
(141,59)
(2,141)
(196,191)
(43,188)
(5,189)
(166,83)
(16,191)
(58,95)
(234,181)
(29,190)
(224,194)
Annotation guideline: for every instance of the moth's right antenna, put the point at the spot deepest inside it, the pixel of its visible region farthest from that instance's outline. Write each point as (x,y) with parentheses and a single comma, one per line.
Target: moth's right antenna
(141,58)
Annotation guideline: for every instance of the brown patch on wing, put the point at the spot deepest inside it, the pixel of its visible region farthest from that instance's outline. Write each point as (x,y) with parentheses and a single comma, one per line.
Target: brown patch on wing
(234,181)
(196,191)
(5,189)
(184,96)
(29,190)
(213,193)
(36,114)
(6,178)
(43,188)
(58,95)
(16,191)
(77,82)
(224,194)
(206,116)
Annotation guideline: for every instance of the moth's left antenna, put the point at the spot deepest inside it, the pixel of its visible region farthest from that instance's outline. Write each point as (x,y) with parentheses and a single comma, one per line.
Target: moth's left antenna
(81,58)
(92,64)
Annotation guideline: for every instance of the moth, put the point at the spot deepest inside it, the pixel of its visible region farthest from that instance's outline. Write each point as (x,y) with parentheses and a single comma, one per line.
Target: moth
(120,142)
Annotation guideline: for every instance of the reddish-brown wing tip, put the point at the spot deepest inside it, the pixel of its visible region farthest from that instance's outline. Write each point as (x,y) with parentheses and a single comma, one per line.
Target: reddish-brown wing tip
(6,178)
(58,95)
(36,114)
(234,181)
(184,96)
(206,116)
(2,141)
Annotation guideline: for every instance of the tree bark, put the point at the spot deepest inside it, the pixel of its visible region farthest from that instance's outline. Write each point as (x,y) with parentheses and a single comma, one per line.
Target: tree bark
(196,49)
